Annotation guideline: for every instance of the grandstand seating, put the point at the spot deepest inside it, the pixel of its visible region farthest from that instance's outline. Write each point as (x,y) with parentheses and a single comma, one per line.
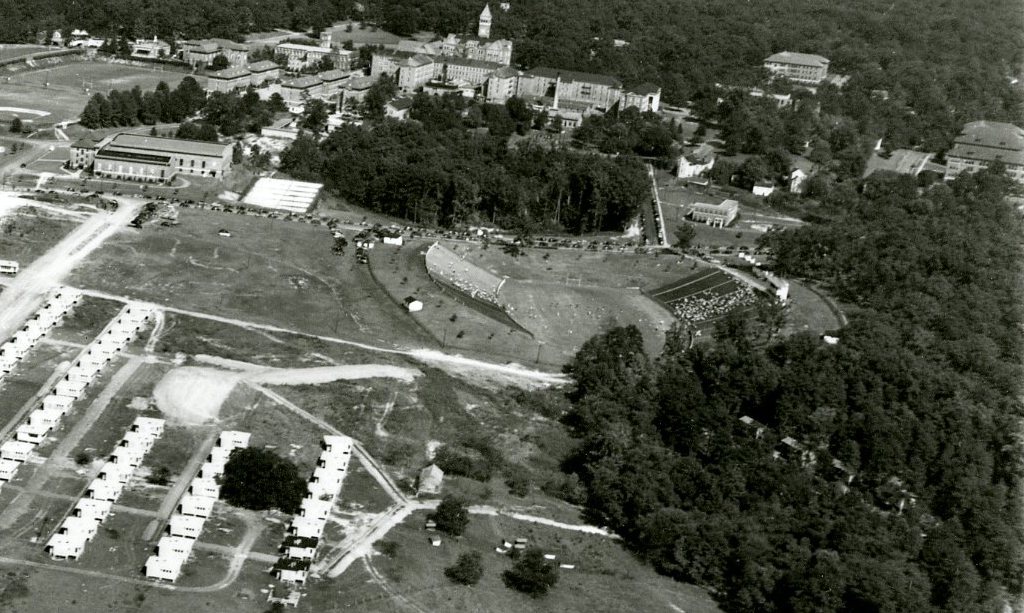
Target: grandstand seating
(704,296)
(445,266)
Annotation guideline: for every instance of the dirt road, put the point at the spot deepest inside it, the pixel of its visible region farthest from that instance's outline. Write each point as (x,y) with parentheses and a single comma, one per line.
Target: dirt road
(26,292)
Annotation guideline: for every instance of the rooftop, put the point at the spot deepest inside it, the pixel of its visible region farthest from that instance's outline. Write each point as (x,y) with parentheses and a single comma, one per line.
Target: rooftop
(168,145)
(306,48)
(304,82)
(291,564)
(644,89)
(990,141)
(400,104)
(262,66)
(233,72)
(333,75)
(801,59)
(573,76)
(505,72)
(300,541)
(461,61)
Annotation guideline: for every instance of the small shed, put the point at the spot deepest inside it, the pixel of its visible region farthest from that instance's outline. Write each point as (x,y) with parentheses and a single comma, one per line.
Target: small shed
(19,451)
(187,526)
(204,487)
(199,506)
(8,468)
(164,568)
(103,490)
(291,570)
(300,547)
(306,526)
(429,481)
(413,304)
(174,547)
(59,403)
(89,508)
(233,439)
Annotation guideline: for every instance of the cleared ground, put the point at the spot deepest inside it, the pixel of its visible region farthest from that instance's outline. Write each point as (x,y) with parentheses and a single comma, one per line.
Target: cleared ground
(30,232)
(606,578)
(272,272)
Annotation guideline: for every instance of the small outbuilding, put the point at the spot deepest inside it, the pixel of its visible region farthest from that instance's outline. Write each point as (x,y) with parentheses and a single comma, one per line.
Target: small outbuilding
(430,481)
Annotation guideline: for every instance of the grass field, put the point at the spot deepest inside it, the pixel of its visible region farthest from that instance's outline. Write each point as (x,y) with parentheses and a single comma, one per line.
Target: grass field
(29,233)
(606,577)
(561,297)
(9,52)
(272,272)
(60,90)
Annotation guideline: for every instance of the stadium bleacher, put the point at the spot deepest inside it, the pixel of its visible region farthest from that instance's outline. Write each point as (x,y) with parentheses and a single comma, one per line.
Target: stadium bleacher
(704,296)
(445,266)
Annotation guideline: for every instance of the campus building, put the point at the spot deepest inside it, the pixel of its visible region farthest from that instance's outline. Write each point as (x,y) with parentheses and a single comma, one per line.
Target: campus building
(151,158)
(305,56)
(981,143)
(475,48)
(718,215)
(200,53)
(799,67)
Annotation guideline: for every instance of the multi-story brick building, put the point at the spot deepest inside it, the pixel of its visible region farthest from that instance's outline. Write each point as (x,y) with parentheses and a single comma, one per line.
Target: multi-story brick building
(799,67)
(982,143)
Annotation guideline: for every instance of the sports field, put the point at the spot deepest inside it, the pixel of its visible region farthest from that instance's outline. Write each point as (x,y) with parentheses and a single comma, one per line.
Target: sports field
(61,90)
(9,52)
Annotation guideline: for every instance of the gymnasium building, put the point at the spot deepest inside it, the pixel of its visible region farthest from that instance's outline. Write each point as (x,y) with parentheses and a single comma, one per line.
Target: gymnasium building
(150,158)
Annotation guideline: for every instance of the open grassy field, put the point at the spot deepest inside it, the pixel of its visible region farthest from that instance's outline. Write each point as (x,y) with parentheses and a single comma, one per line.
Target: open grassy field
(606,577)
(29,233)
(272,272)
(9,52)
(60,90)
(561,297)
(29,376)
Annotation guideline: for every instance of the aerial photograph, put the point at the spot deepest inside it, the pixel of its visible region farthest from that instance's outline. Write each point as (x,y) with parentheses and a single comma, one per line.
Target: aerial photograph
(524,306)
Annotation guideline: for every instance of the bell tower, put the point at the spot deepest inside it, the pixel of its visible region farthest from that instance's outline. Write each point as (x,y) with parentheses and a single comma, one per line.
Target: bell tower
(484,27)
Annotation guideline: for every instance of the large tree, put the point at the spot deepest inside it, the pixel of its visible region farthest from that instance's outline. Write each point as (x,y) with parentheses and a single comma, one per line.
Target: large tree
(260,479)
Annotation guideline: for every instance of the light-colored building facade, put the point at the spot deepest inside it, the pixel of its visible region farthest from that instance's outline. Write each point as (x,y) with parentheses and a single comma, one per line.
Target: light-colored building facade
(156,159)
(200,53)
(297,91)
(305,56)
(498,51)
(155,48)
(718,215)
(800,67)
(982,143)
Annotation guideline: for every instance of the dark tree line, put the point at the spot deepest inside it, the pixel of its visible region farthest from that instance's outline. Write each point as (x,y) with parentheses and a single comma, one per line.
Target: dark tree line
(440,170)
(229,113)
(919,400)
(132,107)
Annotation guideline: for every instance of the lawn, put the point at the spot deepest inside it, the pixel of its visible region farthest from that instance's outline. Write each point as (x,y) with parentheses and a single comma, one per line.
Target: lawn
(561,297)
(269,271)
(8,52)
(606,577)
(60,90)
(29,233)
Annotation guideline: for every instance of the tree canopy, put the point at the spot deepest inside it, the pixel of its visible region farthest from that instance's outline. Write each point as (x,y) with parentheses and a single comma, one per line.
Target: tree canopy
(901,490)
(260,479)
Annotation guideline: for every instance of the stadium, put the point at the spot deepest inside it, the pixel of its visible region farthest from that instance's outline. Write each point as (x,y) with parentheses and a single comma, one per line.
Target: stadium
(704,296)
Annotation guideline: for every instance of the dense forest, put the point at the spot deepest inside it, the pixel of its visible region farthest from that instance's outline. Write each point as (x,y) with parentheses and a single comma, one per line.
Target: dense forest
(455,166)
(901,491)
(940,64)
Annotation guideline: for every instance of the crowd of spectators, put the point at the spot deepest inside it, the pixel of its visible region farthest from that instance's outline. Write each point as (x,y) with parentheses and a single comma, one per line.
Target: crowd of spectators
(708,305)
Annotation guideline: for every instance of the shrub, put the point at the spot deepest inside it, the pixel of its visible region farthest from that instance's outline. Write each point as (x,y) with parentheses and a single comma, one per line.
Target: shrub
(531,574)
(451,516)
(468,569)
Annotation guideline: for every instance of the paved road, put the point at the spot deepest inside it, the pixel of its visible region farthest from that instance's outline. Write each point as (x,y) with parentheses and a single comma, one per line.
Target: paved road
(25,294)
